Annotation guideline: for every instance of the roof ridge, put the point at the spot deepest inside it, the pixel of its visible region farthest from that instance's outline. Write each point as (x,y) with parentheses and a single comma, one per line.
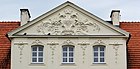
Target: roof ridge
(8,21)
(130,22)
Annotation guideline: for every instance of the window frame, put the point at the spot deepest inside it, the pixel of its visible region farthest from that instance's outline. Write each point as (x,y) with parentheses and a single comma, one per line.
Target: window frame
(37,53)
(99,54)
(68,56)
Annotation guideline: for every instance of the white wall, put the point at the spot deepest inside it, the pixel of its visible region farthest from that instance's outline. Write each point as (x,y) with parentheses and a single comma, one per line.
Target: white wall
(21,53)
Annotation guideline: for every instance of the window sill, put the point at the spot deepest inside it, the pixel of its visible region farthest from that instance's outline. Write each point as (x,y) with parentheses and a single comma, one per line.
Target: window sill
(68,64)
(99,64)
(37,64)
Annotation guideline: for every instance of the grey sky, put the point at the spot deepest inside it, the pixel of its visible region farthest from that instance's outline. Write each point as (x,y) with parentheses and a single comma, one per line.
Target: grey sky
(130,9)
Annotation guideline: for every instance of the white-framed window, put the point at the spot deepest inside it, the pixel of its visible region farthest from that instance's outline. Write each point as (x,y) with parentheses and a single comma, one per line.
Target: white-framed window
(37,54)
(99,54)
(68,54)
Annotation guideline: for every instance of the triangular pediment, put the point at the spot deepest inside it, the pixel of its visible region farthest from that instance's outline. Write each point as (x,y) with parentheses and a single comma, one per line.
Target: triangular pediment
(68,19)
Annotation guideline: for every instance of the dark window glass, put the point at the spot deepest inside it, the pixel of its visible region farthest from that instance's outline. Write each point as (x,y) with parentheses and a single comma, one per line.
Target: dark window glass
(95,59)
(64,48)
(101,53)
(101,59)
(34,59)
(34,54)
(64,59)
(70,48)
(101,48)
(40,54)
(34,48)
(70,59)
(40,48)
(40,59)
(95,53)
(71,54)
(64,54)
(95,48)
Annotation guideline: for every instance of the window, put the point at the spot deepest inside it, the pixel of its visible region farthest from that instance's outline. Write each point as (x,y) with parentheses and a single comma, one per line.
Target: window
(37,54)
(68,54)
(98,54)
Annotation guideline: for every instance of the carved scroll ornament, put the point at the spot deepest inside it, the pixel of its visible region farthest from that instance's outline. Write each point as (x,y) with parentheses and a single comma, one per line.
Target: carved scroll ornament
(99,42)
(20,47)
(68,42)
(83,47)
(52,47)
(67,23)
(116,48)
(37,42)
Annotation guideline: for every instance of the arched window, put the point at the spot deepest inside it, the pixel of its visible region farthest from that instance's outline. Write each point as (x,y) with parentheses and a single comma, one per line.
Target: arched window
(68,54)
(37,54)
(99,54)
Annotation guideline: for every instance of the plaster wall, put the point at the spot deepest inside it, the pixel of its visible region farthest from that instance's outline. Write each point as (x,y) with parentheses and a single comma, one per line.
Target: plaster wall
(115,53)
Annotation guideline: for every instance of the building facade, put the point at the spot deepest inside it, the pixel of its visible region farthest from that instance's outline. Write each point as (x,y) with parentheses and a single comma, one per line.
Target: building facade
(68,37)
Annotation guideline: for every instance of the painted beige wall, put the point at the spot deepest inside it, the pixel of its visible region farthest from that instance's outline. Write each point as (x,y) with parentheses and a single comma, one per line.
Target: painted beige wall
(115,53)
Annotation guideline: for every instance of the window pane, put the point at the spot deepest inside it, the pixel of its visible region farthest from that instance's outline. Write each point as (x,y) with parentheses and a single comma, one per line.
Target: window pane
(34,48)
(40,59)
(95,59)
(101,48)
(34,59)
(101,53)
(95,48)
(95,53)
(71,54)
(64,59)
(70,59)
(64,48)
(40,54)
(101,59)
(64,54)
(40,48)
(70,48)
(34,54)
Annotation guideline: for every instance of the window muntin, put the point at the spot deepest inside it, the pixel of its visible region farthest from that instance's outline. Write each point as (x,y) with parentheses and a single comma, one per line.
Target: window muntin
(99,54)
(37,54)
(68,54)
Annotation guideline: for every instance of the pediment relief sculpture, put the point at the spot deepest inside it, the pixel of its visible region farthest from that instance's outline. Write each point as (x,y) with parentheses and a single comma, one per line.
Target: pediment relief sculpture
(67,22)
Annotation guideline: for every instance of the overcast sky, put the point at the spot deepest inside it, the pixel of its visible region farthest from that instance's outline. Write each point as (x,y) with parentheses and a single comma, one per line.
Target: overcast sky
(130,9)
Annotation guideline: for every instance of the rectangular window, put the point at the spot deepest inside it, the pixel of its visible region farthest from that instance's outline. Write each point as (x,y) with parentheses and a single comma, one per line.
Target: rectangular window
(98,54)
(68,54)
(37,54)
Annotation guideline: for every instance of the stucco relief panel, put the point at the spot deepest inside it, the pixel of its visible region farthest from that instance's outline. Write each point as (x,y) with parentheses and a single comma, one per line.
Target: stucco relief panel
(83,47)
(116,47)
(99,42)
(52,47)
(37,42)
(20,46)
(67,22)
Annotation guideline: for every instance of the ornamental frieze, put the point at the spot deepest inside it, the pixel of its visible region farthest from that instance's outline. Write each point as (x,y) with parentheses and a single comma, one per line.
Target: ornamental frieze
(67,22)
(20,46)
(83,47)
(37,42)
(116,46)
(52,47)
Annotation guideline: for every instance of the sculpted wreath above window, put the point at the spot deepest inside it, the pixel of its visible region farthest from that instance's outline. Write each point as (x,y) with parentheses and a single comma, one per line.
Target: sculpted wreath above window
(67,23)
